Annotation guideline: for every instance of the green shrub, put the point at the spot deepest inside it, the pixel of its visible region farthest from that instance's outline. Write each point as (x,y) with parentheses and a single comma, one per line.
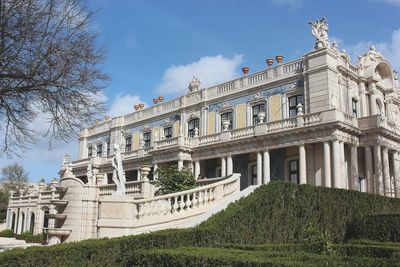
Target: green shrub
(380,250)
(7,233)
(171,180)
(31,238)
(379,227)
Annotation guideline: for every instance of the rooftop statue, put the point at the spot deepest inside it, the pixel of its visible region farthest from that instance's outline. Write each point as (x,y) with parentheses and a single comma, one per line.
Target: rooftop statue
(194,85)
(89,174)
(118,172)
(319,29)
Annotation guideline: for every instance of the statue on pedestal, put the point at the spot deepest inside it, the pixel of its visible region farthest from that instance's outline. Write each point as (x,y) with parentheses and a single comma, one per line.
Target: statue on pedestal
(89,174)
(319,29)
(118,172)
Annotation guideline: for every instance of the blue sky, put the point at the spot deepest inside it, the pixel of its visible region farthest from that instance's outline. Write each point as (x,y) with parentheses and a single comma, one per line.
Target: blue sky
(155,47)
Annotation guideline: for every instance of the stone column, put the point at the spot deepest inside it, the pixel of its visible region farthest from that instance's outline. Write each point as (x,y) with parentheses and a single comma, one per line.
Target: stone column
(336,164)
(345,176)
(259,168)
(386,172)
(229,165)
(303,164)
(267,171)
(180,164)
(223,167)
(396,174)
(363,100)
(196,169)
(354,168)
(327,164)
(368,170)
(378,170)
(372,99)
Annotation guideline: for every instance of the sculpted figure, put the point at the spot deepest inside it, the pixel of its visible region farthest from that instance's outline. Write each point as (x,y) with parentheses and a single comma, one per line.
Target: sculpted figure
(118,172)
(89,174)
(194,85)
(319,29)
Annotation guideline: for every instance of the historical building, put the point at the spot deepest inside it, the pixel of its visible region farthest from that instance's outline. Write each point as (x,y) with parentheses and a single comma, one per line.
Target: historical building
(317,120)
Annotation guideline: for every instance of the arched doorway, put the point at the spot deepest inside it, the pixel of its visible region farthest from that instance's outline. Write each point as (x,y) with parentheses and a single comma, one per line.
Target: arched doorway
(32,224)
(22,222)
(13,222)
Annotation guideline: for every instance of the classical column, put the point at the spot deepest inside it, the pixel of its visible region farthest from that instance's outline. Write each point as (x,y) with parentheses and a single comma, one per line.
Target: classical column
(378,170)
(259,168)
(336,164)
(396,173)
(386,172)
(139,176)
(372,98)
(345,175)
(180,164)
(363,102)
(229,165)
(303,165)
(196,169)
(354,168)
(267,171)
(327,164)
(368,170)
(223,167)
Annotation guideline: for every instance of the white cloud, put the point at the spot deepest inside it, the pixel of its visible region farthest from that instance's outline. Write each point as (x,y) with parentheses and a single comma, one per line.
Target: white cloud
(209,70)
(391,2)
(123,104)
(288,3)
(390,49)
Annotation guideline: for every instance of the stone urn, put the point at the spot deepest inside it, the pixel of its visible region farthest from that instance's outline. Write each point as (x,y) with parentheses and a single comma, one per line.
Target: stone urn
(245,70)
(261,117)
(279,59)
(54,184)
(155,100)
(160,98)
(42,186)
(141,106)
(226,124)
(299,109)
(136,107)
(196,132)
(31,191)
(145,170)
(21,192)
(269,61)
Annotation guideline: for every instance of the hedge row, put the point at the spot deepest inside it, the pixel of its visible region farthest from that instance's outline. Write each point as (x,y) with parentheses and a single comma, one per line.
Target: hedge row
(27,236)
(281,212)
(379,227)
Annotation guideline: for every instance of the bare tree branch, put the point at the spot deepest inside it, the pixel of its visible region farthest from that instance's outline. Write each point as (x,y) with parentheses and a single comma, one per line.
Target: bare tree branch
(49,69)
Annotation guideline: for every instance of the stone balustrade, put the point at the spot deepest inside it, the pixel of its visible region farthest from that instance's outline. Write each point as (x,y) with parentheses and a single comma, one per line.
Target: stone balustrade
(132,188)
(377,121)
(41,196)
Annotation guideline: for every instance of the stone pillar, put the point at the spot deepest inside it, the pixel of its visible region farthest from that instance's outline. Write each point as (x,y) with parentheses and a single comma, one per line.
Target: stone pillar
(378,170)
(372,99)
(223,167)
(196,169)
(368,170)
(303,164)
(363,100)
(259,168)
(396,174)
(345,176)
(386,172)
(267,171)
(337,170)
(354,169)
(229,165)
(180,164)
(327,164)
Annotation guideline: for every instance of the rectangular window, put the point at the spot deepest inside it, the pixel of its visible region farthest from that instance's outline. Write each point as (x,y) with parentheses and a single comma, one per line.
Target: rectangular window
(294,171)
(228,116)
(108,148)
(90,152)
(257,109)
(168,132)
(147,139)
(293,102)
(193,124)
(128,144)
(99,150)
(354,107)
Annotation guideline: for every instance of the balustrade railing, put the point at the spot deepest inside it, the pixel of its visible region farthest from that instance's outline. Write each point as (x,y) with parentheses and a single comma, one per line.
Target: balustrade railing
(282,125)
(293,67)
(167,143)
(225,88)
(186,202)
(242,132)
(257,77)
(209,139)
(131,188)
(311,119)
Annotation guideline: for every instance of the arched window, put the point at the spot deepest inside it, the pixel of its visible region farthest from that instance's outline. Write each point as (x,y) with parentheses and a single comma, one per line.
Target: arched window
(46,219)
(32,224)
(13,222)
(168,132)
(193,124)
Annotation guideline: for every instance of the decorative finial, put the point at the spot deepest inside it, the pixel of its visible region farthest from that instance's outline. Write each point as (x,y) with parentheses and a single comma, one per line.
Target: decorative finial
(319,29)
(194,85)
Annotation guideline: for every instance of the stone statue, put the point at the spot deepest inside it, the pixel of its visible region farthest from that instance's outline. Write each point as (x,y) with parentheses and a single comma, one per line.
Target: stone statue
(118,172)
(319,29)
(68,171)
(194,85)
(89,174)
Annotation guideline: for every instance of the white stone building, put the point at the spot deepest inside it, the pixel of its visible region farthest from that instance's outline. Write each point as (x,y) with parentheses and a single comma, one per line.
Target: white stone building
(317,120)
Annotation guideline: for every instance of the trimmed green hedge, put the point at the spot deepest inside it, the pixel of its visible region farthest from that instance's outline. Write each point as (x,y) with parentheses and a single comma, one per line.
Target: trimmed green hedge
(7,233)
(379,227)
(279,212)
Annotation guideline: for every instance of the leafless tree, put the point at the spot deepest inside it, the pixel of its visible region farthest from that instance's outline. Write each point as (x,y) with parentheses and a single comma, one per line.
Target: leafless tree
(14,177)
(49,71)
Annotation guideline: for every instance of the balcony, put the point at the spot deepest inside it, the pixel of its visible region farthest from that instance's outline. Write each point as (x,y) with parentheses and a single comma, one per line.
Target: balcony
(378,122)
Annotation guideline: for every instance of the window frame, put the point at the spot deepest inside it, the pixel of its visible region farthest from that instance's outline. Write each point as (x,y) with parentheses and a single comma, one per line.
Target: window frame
(128,145)
(221,120)
(295,172)
(170,130)
(90,151)
(190,131)
(99,150)
(294,107)
(354,107)
(147,139)
(254,116)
